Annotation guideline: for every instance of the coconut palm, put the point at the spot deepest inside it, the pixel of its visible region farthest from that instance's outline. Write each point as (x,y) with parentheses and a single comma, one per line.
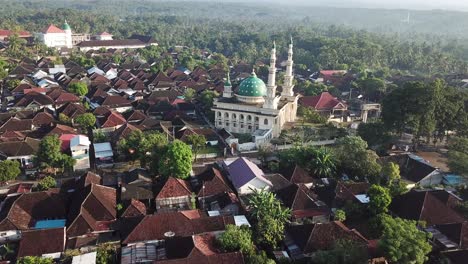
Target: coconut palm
(322,163)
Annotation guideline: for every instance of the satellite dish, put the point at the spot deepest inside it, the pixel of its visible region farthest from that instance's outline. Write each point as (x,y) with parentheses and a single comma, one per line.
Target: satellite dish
(169,234)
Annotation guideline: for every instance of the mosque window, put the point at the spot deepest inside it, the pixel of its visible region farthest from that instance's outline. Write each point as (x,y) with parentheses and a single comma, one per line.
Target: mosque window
(265,122)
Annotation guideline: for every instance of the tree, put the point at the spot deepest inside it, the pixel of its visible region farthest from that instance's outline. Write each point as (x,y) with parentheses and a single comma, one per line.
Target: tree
(259,258)
(391,173)
(322,162)
(198,142)
(9,170)
(35,260)
(379,198)
(374,133)
(372,87)
(402,242)
(343,252)
(237,238)
(106,254)
(12,84)
(207,97)
(340,215)
(86,120)
(189,94)
(176,161)
(139,145)
(356,160)
(458,155)
(50,156)
(46,183)
(79,88)
(64,119)
(271,217)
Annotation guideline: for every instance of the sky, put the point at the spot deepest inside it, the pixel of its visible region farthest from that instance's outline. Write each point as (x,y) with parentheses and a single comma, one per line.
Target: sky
(458,5)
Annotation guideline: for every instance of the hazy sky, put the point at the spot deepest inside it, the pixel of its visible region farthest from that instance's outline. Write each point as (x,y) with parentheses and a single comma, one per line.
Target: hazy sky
(461,5)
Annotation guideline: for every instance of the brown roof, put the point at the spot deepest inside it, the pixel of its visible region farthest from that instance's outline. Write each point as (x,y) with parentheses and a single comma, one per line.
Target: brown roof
(174,187)
(34,97)
(91,205)
(297,197)
(23,211)
(134,208)
(213,183)
(113,119)
(62,129)
(347,191)
(42,241)
(423,205)
(153,227)
(296,174)
(115,100)
(15,124)
(26,147)
(322,236)
(43,119)
(457,232)
(72,110)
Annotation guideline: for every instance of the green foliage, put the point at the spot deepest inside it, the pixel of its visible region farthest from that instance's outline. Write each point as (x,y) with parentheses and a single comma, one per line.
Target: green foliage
(311,89)
(340,215)
(372,87)
(176,161)
(139,145)
(79,88)
(50,156)
(189,94)
(402,242)
(356,160)
(46,183)
(34,260)
(343,252)
(458,155)
(391,173)
(12,84)
(319,161)
(207,97)
(237,239)
(198,142)
(259,258)
(9,170)
(374,133)
(312,116)
(64,119)
(86,120)
(271,217)
(99,137)
(106,254)
(380,199)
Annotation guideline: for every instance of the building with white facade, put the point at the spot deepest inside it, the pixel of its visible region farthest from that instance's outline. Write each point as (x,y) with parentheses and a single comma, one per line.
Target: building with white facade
(256,108)
(55,37)
(79,147)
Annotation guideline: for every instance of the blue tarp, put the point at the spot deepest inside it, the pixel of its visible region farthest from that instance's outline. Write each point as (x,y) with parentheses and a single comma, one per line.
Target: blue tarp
(44,224)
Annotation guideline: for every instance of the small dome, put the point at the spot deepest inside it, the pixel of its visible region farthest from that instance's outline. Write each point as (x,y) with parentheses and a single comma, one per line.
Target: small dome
(252,86)
(66,26)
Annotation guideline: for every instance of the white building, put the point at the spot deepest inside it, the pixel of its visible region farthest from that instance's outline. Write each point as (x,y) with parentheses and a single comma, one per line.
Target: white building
(79,147)
(55,37)
(104,36)
(246,176)
(256,108)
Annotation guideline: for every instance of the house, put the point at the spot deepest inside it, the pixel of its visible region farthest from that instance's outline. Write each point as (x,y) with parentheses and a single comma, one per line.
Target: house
(181,224)
(48,243)
(325,104)
(23,151)
(103,153)
(79,147)
(303,205)
(136,184)
(116,103)
(133,208)
(450,236)
(414,170)
(214,193)
(108,120)
(350,192)
(246,176)
(25,211)
(428,206)
(303,240)
(5,34)
(296,174)
(174,195)
(190,249)
(104,36)
(92,210)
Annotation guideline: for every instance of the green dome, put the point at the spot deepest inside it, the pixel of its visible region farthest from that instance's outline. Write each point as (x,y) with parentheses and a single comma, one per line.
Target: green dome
(66,26)
(252,86)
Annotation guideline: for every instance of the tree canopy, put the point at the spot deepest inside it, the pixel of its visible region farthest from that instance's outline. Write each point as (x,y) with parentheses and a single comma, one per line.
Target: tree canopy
(379,199)
(140,145)
(9,170)
(458,155)
(176,161)
(87,120)
(402,242)
(79,88)
(49,154)
(198,142)
(46,183)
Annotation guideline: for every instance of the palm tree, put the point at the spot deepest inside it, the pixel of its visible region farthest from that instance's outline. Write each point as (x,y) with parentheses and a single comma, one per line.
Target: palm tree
(323,163)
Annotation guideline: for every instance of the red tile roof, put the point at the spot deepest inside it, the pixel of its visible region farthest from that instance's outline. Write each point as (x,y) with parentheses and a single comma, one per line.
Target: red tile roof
(134,208)
(42,241)
(114,119)
(7,33)
(153,227)
(52,29)
(323,101)
(213,183)
(174,188)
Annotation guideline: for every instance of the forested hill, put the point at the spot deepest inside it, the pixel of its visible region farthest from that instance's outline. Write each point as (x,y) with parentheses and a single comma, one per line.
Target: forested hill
(326,38)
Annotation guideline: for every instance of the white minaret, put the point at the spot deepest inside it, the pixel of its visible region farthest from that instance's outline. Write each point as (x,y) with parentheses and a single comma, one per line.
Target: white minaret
(68,35)
(227,93)
(288,77)
(271,86)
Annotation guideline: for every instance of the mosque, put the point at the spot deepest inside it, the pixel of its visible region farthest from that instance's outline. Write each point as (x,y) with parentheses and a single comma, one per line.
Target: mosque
(256,108)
